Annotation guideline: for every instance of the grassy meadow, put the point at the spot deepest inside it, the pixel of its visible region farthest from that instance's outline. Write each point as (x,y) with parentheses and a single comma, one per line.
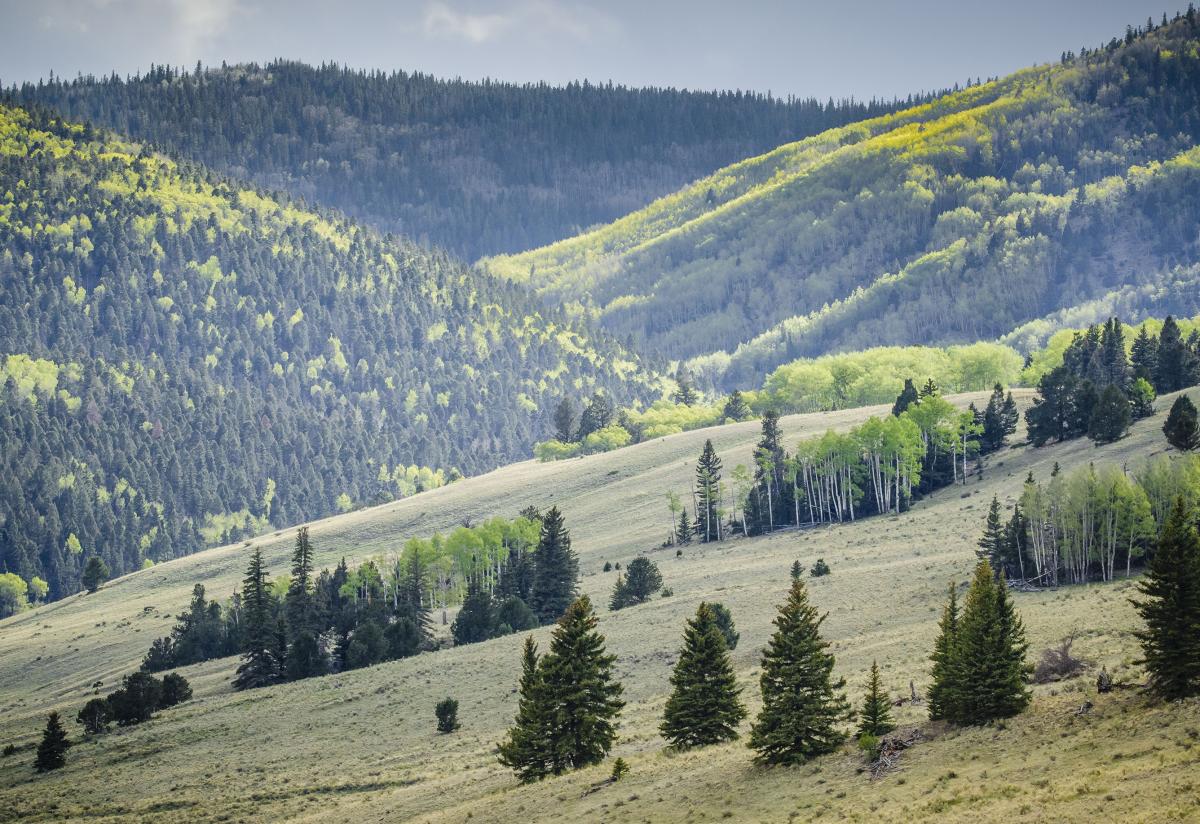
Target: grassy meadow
(362,745)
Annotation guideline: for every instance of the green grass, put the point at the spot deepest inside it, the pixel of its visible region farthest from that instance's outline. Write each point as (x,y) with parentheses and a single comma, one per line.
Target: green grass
(363,746)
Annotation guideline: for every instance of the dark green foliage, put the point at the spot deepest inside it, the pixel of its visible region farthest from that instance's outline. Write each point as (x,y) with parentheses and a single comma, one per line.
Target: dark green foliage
(773,498)
(299,600)
(608,566)
(704,706)
(639,583)
(95,716)
(367,646)
(683,532)
(476,620)
(736,408)
(708,481)
(564,421)
(137,699)
(1173,368)
(724,619)
(944,693)
(1181,427)
(994,541)
(875,717)
(685,392)
(803,705)
(1143,358)
(52,750)
(260,664)
(797,570)
(1170,608)
(175,690)
(595,416)
(201,633)
(820,569)
(447,715)
(1111,417)
(569,701)
(305,659)
(906,398)
(620,769)
(557,570)
(403,638)
(95,573)
(515,615)
(999,420)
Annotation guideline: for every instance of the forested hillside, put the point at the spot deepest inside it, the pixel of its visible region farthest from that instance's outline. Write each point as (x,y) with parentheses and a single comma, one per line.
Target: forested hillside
(186,361)
(477,168)
(957,220)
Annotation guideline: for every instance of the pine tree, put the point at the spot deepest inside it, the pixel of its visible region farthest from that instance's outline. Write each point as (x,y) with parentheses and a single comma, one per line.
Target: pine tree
(1114,363)
(476,618)
(260,663)
(95,716)
(299,595)
(413,605)
(992,543)
(1111,416)
(642,580)
(1171,366)
(447,715)
(684,532)
(1144,355)
(929,390)
(526,749)
(802,703)
(95,573)
(736,408)
(564,420)
(875,718)
(1182,428)
(556,570)
(907,397)
(52,751)
(797,570)
(988,655)
(1009,416)
(704,707)
(944,692)
(1171,608)
(620,594)
(708,480)
(595,416)
(685,393)
(724,619)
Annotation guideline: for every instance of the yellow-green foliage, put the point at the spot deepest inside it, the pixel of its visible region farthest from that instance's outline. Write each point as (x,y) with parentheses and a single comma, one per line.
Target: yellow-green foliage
(1051,355)
(218,527)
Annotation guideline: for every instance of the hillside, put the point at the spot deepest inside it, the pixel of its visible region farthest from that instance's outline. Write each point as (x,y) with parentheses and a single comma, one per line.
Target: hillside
(361,745)
(956,220)
(185,360)
(476,168)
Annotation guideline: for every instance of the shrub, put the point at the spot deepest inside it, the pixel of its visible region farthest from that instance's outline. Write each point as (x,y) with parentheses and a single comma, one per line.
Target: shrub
(620,769)
(819,569)
(447,715)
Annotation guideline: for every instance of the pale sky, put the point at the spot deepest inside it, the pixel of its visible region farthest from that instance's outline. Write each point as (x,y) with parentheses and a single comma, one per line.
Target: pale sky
(823,49)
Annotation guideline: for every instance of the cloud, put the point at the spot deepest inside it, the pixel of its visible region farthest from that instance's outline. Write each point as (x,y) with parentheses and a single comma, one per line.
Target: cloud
(539,18)
(187,25)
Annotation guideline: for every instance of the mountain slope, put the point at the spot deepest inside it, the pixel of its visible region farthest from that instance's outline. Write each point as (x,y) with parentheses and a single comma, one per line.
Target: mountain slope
(477,168)
(361,745)
(951,221)
(184,360)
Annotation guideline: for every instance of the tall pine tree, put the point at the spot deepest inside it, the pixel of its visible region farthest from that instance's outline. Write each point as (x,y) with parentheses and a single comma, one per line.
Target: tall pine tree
(944,692)
(704,707)
(52,750)
(556,570)
(708,485)
(875,718)
(299,595)
(526,749)
(260,662)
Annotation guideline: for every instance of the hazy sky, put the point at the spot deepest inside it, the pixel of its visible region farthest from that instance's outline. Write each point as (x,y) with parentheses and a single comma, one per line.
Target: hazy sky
(801,47)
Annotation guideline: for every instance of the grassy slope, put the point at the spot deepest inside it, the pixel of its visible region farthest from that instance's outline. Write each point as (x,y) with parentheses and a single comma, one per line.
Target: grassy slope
(362,745)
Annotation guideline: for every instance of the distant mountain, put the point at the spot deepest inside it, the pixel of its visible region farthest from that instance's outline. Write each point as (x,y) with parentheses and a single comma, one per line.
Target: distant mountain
(952,221)
(476,168)
(184,360)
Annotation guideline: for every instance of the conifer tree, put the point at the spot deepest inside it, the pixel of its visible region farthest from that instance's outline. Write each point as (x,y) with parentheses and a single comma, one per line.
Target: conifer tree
(476,617)
(988,656)
(704,707)
(1170,369)
(1111,416)
(526,749)
(564,420)
(52,751)
(736,408)
(299,595)
(1171,608)
(724,619)
(708,480)
(1182,428)
(413,606)
(556,570)
(993,541)
(875,718)
(943,694)
(642,580)
(929,390)
(797,570)
(1143,358)
(620,594)
(907,397)
(260,663)
(684,533)
(95,573)
(802,703)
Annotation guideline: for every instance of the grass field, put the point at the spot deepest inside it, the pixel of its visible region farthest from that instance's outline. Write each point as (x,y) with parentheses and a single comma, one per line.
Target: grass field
(362,745)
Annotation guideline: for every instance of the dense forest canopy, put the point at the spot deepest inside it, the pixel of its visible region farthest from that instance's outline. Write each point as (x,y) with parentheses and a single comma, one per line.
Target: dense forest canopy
(476,168)
(186,361)
(952,221)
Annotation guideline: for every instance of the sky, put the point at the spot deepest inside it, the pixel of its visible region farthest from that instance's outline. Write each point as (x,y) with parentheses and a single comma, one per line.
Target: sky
(805,48)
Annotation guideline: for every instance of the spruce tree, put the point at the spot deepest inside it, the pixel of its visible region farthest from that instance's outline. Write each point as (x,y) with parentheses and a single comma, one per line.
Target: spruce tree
(476,617)
(724,619)
(526,749)
(556,570)
(1182,428)
(993,541)
(260,662)
(1111,416)
(708,480)
(988,655)
(704,707)
(736,408)
(95,573)
(564,421)
(413,605)
(1171,608)
(907,397)
(802,703)
(642,580)
(446,711)
(797,570)
(684,532)
(1170,370)
(875,718)
(1143,358)
(52,751)
(944,692)
(620,594)
(299,600)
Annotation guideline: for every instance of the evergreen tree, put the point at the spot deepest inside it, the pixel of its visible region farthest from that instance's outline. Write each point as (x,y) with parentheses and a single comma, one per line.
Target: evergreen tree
(1052,414)
(305,659)
(683,534)
(1114,363)
(724,619)
(476,619)
(736,408)
(1009,416)
(564,420)
(95,716)
(708,484)
(1171,608)
(137,699)
(988,656)
(620,594)
(802,703)
(907,397)
(260,662)
(994,541)
(52,751)
(447,715)
(413,606)
(526,749)
(875,718)
(95,573)
(685,393)
(175,690)
(1171,364)
(704,706)
(642,580)
(1111,417)
(1182,428)
(595,416)
(299,595)
(797,570)
(1144,355)
(944,692)
(556,570)
(929,390)
(1016,533)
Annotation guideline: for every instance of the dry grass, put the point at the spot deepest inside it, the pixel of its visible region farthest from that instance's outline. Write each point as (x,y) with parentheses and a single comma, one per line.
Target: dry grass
(363,746)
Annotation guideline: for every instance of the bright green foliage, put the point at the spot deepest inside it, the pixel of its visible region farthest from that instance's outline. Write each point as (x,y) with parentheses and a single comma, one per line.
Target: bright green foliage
(557,570)
(95,573)
(875,717)
(803,705)
(1170,608)
(1181,427)
(704,706)
(52,750)
(13,592)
